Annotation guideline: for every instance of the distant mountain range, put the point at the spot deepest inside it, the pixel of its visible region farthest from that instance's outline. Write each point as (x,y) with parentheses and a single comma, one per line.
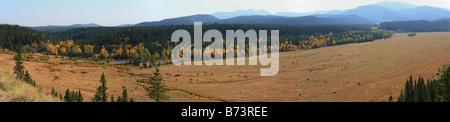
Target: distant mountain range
(398,11)
(62,27)
(227,15)
(367,14)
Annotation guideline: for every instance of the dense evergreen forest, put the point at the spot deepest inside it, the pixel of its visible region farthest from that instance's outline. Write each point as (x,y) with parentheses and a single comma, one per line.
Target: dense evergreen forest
(442,25)
(12,36)
(436,89)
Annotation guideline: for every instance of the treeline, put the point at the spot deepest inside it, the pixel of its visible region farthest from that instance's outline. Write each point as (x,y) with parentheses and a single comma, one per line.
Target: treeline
(442,25)
(12,36)
(433,90)
(329,39)
(119,42)
(157,38)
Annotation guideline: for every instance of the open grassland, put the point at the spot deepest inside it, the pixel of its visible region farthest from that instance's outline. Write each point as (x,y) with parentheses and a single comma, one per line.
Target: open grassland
(370,71)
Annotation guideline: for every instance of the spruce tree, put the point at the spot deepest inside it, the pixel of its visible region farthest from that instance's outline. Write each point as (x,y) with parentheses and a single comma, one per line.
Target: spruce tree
(157,89)
(19,68)
(67,97)
(80,97)
(124,95)
(73,96)
(53,92)
(27,77)
(112,98)
(119,99)
(101,95)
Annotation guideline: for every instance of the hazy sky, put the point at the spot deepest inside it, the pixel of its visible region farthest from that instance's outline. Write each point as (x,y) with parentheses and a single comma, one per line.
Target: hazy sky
(116,12)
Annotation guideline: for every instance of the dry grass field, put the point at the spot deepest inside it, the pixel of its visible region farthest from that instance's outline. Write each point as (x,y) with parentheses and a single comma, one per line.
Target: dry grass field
(370,71)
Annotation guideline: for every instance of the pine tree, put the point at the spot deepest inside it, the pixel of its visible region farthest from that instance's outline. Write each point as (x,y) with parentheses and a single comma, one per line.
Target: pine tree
(401,98)
(157,89)
(112,98)
(73,96)
(101,95)
(53,92)
(131,100)
(80,97)
(19,68)
(119,99)
(124,95)
(27,77)
(67,97)
(390,99)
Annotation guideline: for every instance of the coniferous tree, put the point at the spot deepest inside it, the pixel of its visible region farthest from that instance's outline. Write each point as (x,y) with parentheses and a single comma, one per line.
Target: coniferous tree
(67,97)
(157,89)
(54,93)
(19,68)
(112,98)
(124,95)
(27,77)
(119,99)
(101,95)
(80,97)
(401,98)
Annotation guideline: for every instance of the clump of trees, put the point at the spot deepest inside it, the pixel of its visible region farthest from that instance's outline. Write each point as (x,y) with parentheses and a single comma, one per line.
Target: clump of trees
(434,90)
(73,96)
(102,96)
(412,34)
(156,89)
(123,98)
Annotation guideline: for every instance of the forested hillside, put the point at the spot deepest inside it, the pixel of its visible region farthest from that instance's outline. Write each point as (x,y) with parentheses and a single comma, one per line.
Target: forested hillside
(441,25)
(14,35)
(158,37)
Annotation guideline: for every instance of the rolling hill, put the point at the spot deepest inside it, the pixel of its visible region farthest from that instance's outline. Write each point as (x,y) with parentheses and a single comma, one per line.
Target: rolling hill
(62,27)
(187,20)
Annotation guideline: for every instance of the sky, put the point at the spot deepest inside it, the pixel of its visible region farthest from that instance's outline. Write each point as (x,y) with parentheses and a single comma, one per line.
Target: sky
(117,12)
